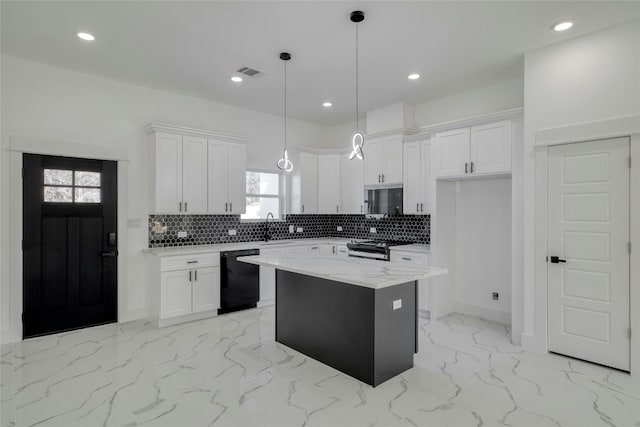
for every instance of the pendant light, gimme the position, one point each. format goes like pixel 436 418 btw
pixel 357 141
pixel 284 163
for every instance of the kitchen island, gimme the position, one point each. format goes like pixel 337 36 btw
pixel 356 315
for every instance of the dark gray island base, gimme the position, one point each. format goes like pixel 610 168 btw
pixel 351 328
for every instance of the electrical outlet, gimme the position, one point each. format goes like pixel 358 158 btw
pixel 339 228
pixel 232 232
pixel 182 234
pixel 397 304
pixel 299 230
pixel 291 229
pixel 495 296
pixel 373 230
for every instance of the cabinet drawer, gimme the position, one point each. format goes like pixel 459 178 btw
pixel 185 262
pixel 409 257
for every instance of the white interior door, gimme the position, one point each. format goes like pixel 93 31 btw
pixel 588 217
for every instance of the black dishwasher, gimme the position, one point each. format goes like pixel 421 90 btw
pixel 239 281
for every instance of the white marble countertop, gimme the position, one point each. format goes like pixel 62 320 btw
pixel 272 244
pixel 416 248
pixel 369 273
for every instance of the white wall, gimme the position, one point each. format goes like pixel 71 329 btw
pixel 590 78
pixel 485 100
pixel 55 104
pixel 483 247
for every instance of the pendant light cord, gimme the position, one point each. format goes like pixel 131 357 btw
pixel 285 106
pixel 357 100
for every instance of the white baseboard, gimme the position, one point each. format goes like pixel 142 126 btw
pixel 425 314
pixel 485 313
pixel 532 343
pixel 133 314
pixel 266 302
pixel 161 323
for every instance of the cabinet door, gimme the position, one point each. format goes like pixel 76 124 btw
pixel 428 181
pixel 308 183
pixel 452 153
pixel 217 177
pixel 175 296
pixel 412 182
pixel 328 184
pixel 351 186
pixel 392 160
pixel 194 174
pixel 205 287
pixel 372 161
pixel 237 178
pixel 168 173
pixel 342 251
pixel 491 148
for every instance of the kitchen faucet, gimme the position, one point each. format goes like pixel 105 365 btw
pixel 267 235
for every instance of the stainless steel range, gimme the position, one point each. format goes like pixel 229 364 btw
pixel 374 249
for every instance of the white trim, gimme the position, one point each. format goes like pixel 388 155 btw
pixel 266 302
pixel 161 323
pixel 589 131
pixel 634 277
pixel 404 131
pixel 502 317
pixel 24 144
pixel 20 145
pixel 182 130
pixel 470 121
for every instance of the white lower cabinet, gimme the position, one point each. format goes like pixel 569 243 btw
pixel 183 288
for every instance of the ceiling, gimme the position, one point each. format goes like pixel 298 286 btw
pixel 194 48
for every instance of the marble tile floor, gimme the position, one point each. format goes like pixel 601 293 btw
pixel 229 371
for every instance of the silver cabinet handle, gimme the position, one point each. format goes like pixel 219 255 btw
pixel 230 206
pixel 226 205
pixel 466 167
pixel 180 206
pixel 333 249
pixel 406 258
pixel 471 167
pixel 190 275
pixel 361 208
pixel 192 262
pixel 302 208
pixel 337 208
pixel 382 177
pixel 379 179
pixel 185 207
pixel 417 207
pixel 314 247
pixel 196 275
pixel 421 207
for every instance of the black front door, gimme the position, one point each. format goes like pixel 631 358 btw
pixel 69 243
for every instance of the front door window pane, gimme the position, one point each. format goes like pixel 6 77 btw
pixel 87 195
pixel 58 194
pixel 58 177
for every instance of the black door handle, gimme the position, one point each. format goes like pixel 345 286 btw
pixel 556 260
pixel 109 254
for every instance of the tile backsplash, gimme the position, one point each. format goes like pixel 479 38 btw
pixel 210 229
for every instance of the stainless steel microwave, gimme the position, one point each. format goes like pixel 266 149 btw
pixel 384 201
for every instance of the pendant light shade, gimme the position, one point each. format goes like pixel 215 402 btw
pixel 284 163
pixel 357 141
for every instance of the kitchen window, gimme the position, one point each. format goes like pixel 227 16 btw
pixel 264 195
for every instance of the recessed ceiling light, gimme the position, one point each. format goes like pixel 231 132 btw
pixel 86 36
pixel 562 26
pixel 236 79
pixel 327 104
pixel 414 76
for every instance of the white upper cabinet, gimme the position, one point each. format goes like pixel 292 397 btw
pixel 452 153
pixel 178 173
pixel 479 150
pixel 194 174
pixel 417 180
pixel 383 160
pixel 227 177
pixel 304 184
pixel 329 183
pixel 351 185
pixel 491 148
